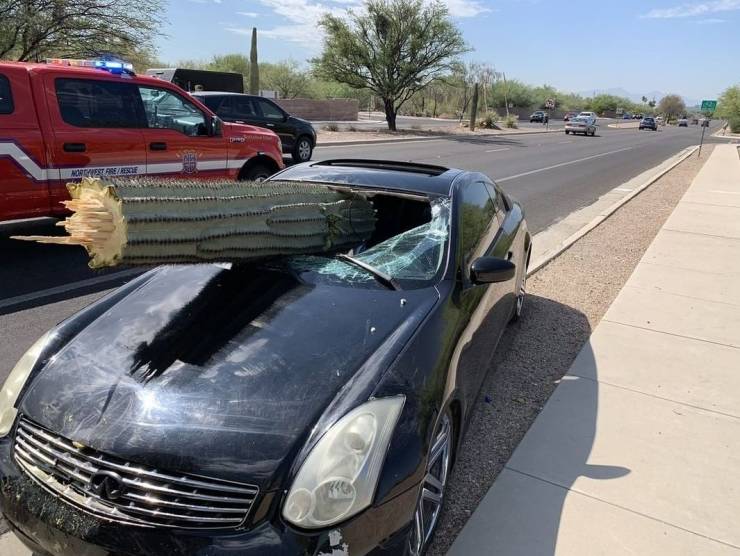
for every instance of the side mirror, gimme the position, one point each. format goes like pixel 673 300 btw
pixel 490 270
pixel 216 127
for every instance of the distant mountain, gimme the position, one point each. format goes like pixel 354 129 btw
pixel 635 97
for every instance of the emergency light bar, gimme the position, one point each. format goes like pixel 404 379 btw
pixel 107 65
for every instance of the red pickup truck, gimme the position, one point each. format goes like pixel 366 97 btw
pixel 65 120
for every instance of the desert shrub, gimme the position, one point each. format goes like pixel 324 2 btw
pixel 735 125
pixel 489 120
pixel 510 122
pixel 331 127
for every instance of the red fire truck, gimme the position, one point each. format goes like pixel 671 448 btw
pixel 66 119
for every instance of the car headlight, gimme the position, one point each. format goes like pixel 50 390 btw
pixel 15 382
pixel 339 476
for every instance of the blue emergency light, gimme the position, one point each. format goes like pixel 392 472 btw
pixel 112 66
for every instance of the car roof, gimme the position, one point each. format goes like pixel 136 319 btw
pixel 41 68
pixel 222 93
pixel 409 177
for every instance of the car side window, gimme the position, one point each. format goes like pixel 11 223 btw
pixel 6 97
pixel 167 110
pixel 478 224
pixel 98 103
pixel 270 111
pixel 243 108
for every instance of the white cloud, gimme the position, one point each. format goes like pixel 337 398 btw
pixel 301 18
pixel 692 10
pixel 711 21
pixel 248 14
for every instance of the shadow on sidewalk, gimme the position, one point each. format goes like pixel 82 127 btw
pixel 532 358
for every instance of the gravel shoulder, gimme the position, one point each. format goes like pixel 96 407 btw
pixel 566 300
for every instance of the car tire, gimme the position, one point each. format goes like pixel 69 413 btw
pixel 302 150
pixel 567 132
pixel 433 489
pixel 258 172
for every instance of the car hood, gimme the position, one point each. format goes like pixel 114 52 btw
pixel 219 372
pixel 241 130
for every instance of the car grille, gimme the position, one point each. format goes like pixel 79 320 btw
pixel 90 480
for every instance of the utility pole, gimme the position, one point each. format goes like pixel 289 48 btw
pixel 254 69
pixel 506 95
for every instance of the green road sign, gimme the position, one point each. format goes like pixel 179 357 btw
pixel 708 105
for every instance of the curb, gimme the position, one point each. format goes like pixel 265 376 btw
pixel 573 238
pixel 430 138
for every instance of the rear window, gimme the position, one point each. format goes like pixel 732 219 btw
pixel 6 99
pixel 98 103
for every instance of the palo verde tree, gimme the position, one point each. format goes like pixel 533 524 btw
pixel 31 30
pixel 393 48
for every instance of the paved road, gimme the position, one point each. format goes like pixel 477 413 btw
pixel 551 174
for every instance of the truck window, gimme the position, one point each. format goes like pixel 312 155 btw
pixel 166 110
pixel 270 111
pixel 6 99
pixel 98 103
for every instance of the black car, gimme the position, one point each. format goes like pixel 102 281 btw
pixel 297 136
pixel 538 116
pixel 303 405
pixel 648 122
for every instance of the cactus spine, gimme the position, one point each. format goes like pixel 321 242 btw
pixel 146 221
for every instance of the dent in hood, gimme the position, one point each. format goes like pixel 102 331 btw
pixel 219 372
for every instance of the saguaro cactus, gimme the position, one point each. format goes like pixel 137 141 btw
pixel 146 221
pixel 254 67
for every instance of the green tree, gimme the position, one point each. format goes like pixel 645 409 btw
pixel 672 106
pixel 254 68
pixel 31 30
pixel 728 107
pixel 286 78
pixel 394 48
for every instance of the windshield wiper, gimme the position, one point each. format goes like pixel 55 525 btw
pixel 385 279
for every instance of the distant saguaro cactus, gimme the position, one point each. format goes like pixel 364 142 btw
pixel 254 68
pixel 149 222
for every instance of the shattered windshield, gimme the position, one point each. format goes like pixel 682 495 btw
pixel 412 257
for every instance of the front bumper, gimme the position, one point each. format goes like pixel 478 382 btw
pixel 48 525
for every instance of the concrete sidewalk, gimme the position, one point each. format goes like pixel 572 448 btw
pixel 638 449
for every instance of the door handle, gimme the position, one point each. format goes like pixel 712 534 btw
pixel 270 125
pixel 75 147
pixel 157 146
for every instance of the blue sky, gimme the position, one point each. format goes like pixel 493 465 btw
pixel 691 48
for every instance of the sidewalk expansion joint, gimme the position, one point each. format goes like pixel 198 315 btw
pixel 685 296
pixel 699 234
pixel 671 400
pixel 689 268
pixel 672 334
pixel 630 510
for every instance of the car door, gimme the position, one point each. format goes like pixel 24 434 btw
pixel 96 125
pixel 274 118
pixel 479 228
pixel 177 137
pixel 24 186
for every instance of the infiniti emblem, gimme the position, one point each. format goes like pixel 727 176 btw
pixel 106 484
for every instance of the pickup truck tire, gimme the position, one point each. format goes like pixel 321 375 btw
pixel 258 172
pixel 302 150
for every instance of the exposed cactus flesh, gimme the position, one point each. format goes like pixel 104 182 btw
pixel 147 221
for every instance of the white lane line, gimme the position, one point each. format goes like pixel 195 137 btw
pixel 49 292
pixel 564 142
pixel 545 169
pixel 625 189
pixel 378 143
pixel 498 150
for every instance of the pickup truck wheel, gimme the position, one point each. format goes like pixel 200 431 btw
pixel 302 150
pixel 258 172
pixel 567 132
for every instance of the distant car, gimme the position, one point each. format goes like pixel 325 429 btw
pixel 627 116
pixel 587 115
pixel 638 116
pixel 538 116
pixel 648 123
pixel 682 122
pixel 660 120
pixel 581 124
pixel 297 136
pixel 569 116
pixel 694 120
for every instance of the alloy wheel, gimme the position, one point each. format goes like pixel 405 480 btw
pixel 429 506
pixel 304 150
pixel 520 297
